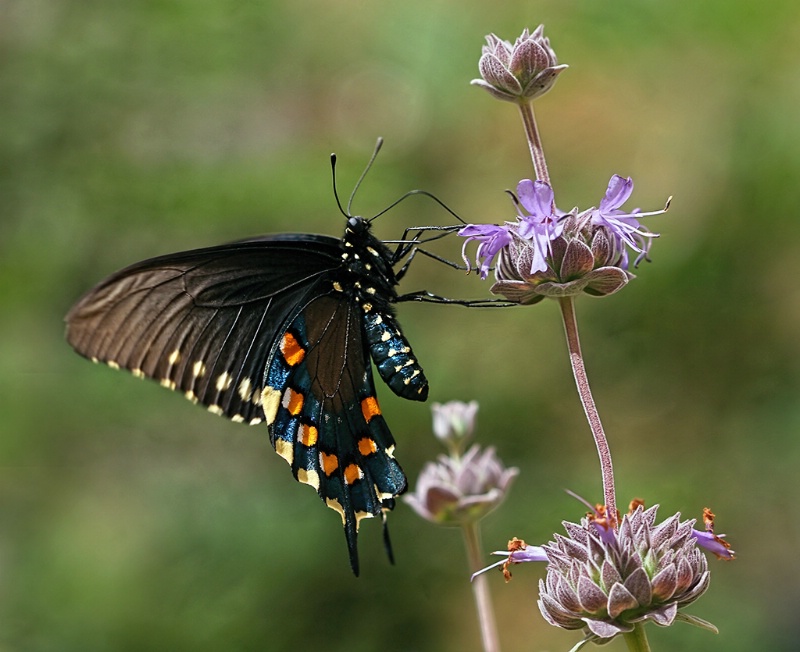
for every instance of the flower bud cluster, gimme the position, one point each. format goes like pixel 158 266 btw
pixel 453 491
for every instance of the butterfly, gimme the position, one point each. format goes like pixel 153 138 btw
pixel 280 330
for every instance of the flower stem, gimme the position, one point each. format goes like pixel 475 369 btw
pixel 637 639
pixel 534 141
pixel 480 588
pixel 585 393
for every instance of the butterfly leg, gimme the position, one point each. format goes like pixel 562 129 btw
pixel 430 297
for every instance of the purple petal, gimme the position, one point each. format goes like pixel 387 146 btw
pixel 536 197
pixel 713 544
pixel 527 58
pixel 528 553
pixel 664 616
pixel 603 629
pixel 492 239
pixel 619 600
pixel 617 193
pixel 665 582
pixel 495 73
pixel 590 595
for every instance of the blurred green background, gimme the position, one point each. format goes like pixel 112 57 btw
pixel 131 520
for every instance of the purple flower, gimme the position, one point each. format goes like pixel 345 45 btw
pixel 548 253
pixel 713 543
pixel 624 228
pixel 542 226
pixel 492 238
pixel 517 553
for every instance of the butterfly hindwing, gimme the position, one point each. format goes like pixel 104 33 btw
pixel 324 416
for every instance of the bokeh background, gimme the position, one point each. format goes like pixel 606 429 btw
pixel 131 520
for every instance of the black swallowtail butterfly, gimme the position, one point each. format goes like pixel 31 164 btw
pixel 279 330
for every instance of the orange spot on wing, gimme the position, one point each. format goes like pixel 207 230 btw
pixel 352 473
pixel 367 446
pixel 329 463
pixel 308 435
pixel 293 351
pixel 294 401
pixel 370 408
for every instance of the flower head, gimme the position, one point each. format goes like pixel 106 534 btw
pixel 456 490
pixel 519 72
pixel 644 572
pixel 606 579
pixel 548 253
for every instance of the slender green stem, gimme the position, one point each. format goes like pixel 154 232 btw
pixel 637 639
pixel 480 588
pixel 585 393
pixel 534 141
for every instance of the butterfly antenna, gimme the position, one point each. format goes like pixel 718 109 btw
pixel 424 193
pixel 342 210
pixel 335 190
pixel 372 158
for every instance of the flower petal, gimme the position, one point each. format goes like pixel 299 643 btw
pixel 639 586
pixel 618 191
pixel 665 583
pixel 591 597
pixel 605 629
pixel 496 74
pixel 527 58
pixel 605 280
pixel 714 544
pixel 536 197
pixel 664 616
pixel 496 93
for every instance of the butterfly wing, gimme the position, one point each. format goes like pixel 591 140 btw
pixel 324 417
pixel 202 322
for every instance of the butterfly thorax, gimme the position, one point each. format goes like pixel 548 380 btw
pixel 366 263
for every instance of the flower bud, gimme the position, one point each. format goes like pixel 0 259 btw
pixel 519 72
pixel 454 423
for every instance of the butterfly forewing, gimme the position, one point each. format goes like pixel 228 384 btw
pixel 201 322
